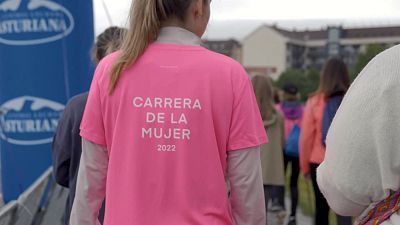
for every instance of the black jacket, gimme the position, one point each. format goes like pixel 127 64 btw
pixel 67 148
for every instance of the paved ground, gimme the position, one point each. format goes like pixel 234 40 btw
pixel 281 219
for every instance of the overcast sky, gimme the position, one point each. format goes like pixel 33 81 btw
pixel 363 12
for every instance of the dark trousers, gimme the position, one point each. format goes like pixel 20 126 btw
pixel 321 205
pixel 275 194
pixel 267 195
pixel 278 196
pixel 294 193
pixel 344 220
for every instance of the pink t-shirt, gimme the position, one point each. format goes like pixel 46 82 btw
pixel 168 127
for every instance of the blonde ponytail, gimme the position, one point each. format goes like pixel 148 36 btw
pixel 144 28
pixel 145 23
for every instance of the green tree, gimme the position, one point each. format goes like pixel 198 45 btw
pixel 366 57
pixel 306 81
pixel 313 77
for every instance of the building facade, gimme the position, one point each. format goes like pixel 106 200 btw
pixel 270 50
pixel 231 48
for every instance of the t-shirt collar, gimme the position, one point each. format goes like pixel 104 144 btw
pixel 177 35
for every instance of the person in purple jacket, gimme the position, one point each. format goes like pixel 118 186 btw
pixel 292 109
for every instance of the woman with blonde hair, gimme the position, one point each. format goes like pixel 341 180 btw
pixel 272 162
pixel 167 124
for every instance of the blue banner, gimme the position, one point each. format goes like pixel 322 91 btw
pixel 44 60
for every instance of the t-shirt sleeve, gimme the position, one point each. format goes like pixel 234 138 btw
pixel 92 125
pixel 246 128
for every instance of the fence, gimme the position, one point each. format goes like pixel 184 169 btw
pixel 43 203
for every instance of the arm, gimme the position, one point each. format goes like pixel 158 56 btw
pixel 61 164
pixel 91 184
pixel 340 176
pixel 337 200
pixel 307 136
pixel 61 149
pixel 362 163
pixel 247 195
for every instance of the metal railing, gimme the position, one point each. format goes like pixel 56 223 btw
pixel 43 203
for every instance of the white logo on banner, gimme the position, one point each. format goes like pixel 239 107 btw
pixel 29 120
pixel 37 22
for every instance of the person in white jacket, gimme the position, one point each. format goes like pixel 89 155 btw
pixel 362 163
